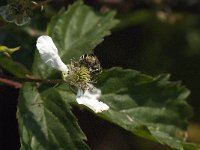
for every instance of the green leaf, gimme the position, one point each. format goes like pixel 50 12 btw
pixel 8 51
pixel 46 121
pixel 75 32
pixel 153 108
pixel 15 68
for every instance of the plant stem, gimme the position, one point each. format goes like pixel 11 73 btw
pixel 16 82
pixel 40 4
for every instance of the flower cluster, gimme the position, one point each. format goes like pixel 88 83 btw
pixel 76 74
pixel 16 11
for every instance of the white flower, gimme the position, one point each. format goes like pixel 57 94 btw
pixel 49 54
pixel 90 98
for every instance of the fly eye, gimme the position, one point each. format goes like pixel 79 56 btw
pixel 66 73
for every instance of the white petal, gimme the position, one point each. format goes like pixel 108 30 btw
pixel 90 98
pixel 49 53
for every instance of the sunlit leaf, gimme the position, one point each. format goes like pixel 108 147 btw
pixel 46 121
pixel 153 108
pixel 75 32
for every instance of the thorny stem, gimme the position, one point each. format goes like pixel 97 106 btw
pixel 16 82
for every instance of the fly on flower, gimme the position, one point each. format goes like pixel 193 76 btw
pixel 78 74
pixel 91 62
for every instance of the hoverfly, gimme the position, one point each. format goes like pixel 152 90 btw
pixel 91 62
pixel 82 72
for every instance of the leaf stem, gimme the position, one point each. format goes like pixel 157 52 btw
pixel 40 4
pixel 16 82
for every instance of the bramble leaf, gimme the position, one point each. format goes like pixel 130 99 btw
pixel 152 108
pixel 46 121
pixel 75 32
pixel 15 68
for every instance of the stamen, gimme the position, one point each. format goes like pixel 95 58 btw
pixel 81 73
pixel 78 76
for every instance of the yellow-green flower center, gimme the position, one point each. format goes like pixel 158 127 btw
pixel 78 76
